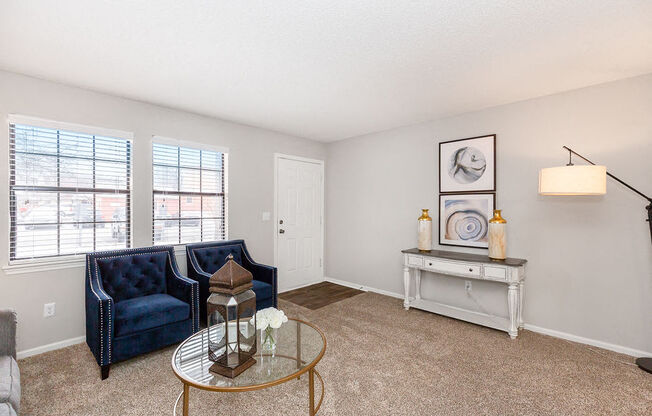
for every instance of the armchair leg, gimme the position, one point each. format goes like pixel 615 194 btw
pixel 105 371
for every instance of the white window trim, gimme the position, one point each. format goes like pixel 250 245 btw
pixel 44 264
pixel 77 128
pixel 23 266
pixel 28 266
pixel 185 143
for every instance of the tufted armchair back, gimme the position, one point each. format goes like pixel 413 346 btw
pixel 133 275
pixel 210 259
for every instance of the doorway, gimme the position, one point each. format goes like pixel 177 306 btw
pixel 299 221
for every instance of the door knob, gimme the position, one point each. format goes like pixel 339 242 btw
pixel 280 222
pixel 281 231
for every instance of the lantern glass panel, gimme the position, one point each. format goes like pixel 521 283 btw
pixel 247 322
pixel 217 325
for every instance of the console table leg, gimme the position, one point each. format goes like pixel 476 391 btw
pixel 512 304
pixel 521 286
pixel 417 283
pixel 406 285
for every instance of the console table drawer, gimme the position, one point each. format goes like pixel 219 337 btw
pixel 498 273
pixel 415 260
pixel 455 268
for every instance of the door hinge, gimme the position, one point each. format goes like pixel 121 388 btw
pixel 320 265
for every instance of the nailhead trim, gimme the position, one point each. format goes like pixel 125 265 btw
pixel 90 284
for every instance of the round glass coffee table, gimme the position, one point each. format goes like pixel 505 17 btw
pixel 299 347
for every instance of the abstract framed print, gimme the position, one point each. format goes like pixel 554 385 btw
pixel 468 165
pixel 464 219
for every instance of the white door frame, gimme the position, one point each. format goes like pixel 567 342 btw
pixel 277 157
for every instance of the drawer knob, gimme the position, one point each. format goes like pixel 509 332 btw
pixel 429 264
pixel 470 269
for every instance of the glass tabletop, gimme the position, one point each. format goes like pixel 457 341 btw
pixel 299 346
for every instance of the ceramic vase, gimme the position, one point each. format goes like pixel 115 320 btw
pixel 425 231
pixel 497 237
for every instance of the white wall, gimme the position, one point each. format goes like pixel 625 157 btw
pixel 251 187
pixel 590 258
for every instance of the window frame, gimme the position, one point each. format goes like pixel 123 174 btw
pixel 62 261
pixel 181 194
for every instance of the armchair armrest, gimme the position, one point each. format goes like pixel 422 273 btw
pixel 262 273
pixel 99 315
pixel 8 332
pixel 184 289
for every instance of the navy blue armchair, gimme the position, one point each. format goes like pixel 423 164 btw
pixel 204 259
pixel 136 302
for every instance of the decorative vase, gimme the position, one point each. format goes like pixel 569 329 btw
pixel 425 231
pixel 497 237
pixel 268 339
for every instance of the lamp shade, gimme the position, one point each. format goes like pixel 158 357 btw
pixel 573 180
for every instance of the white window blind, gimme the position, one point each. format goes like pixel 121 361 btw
pixel 69 192
pixel 189 198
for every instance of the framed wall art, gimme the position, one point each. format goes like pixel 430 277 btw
pixel 468 165
pixel 464 219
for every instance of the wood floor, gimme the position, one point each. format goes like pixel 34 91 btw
pixel 319 295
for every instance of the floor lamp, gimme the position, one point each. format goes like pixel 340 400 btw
pixel 587 180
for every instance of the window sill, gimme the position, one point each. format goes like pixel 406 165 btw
pixel 34 266
pixel 44 265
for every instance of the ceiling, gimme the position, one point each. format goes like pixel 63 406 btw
pixel 328 70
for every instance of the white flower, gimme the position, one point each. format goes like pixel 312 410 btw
pixel 276 321
pixel 271 317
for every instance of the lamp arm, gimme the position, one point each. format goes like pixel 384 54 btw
pixel 610 175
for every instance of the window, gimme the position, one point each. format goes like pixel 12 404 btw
pixel 69 190
pixel 189 201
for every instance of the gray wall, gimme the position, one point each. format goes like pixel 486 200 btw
pixel 251 187
pixel 590 258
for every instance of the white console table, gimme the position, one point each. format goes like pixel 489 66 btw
pixel 510 272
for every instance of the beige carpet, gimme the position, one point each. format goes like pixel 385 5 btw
pixel 380 360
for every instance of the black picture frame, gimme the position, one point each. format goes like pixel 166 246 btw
pixel 462 189
pixel 474 194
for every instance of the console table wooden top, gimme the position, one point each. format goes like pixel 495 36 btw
pixel 455 255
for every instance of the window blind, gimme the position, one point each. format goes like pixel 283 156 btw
pixel 189 198
pixel 69 192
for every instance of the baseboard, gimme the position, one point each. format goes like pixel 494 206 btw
pixel 364 288
pixel 302 285
pixel 551 332
pixel 588 341
pixel 50 347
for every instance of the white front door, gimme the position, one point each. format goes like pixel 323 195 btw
pixel 299 194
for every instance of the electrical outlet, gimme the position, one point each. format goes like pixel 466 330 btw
pixel 48 310
pixel 267 215
pixel 467 285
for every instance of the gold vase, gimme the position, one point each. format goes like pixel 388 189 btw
pixel 424 231
pixel 497 237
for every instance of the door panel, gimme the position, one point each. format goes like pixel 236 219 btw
pixel 298 230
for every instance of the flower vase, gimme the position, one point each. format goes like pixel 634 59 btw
pixel 268 339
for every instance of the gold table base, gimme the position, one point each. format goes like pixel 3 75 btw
pixel 312 409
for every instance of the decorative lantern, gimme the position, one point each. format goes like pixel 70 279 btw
pixel 231 309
